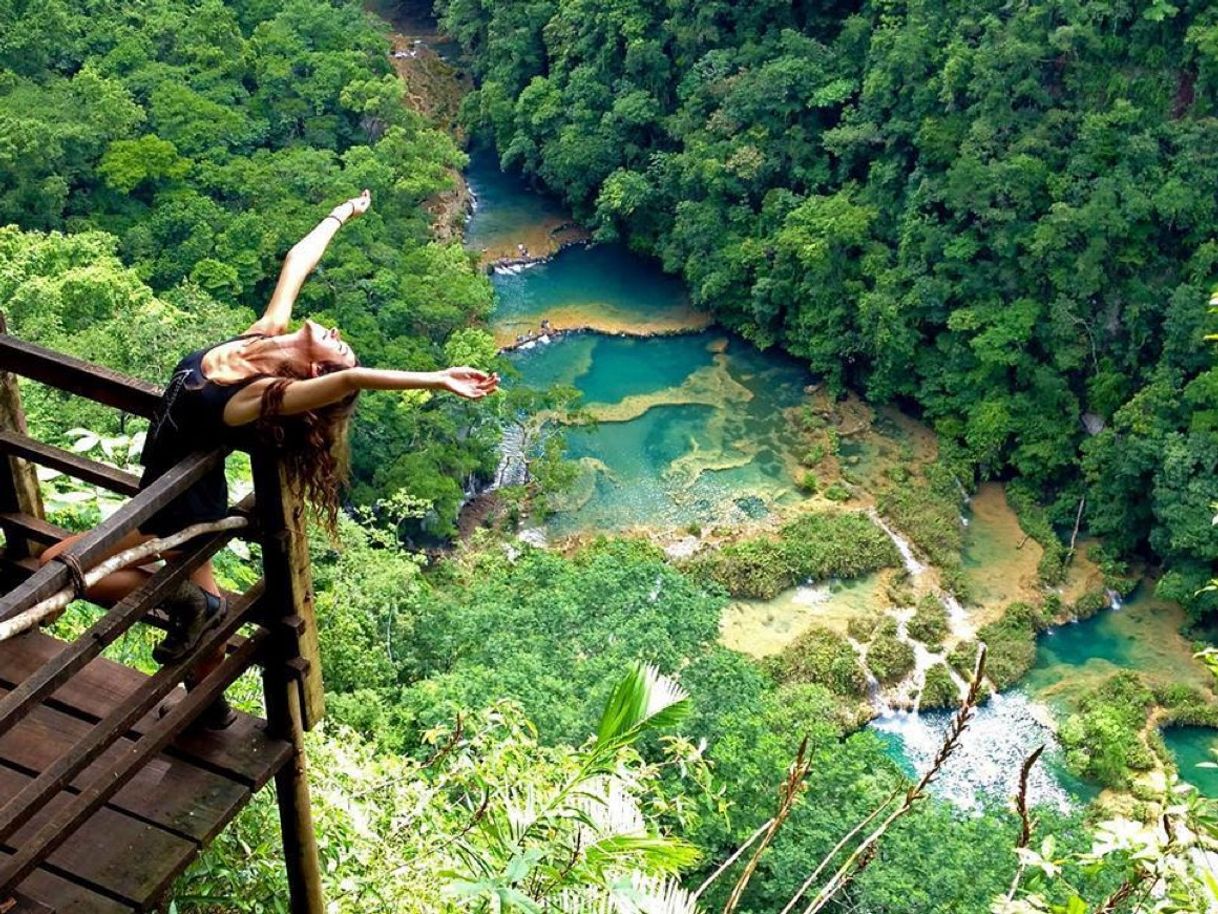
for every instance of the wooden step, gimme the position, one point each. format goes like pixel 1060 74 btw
pixel 128 853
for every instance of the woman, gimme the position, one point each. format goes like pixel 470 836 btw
pixel 296 391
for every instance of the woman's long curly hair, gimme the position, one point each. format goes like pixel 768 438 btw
pixel 313 445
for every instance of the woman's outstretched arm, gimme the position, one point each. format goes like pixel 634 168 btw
pixel 314 393
pixel 300 262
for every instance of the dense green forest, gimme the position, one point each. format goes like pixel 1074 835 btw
pixel 184 149
pixel 1003 214
pixel 862 187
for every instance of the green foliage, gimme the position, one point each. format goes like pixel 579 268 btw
pixel 812 547
pixel 929 623
pixel 822 657
pixel 185 150
pixel 940 690
pixel 949 204
pixel 1011 643
pixel 1103 740
pixel 888 657
pixel 495 818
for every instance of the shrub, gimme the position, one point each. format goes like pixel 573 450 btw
pixel 1103 740
pixel 889 658
pixel 940 691
pixel 822 657
pixel 930 623
pixel 814 546
pixel 1089 604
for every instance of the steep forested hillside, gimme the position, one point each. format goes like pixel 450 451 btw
pixel 1003 213
pixel 195 143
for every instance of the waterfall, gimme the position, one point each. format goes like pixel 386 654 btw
pixel 912 565
pixel 1114 600
pixel 1002 734
pixel 513 468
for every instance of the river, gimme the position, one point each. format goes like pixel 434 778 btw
pixel 695 432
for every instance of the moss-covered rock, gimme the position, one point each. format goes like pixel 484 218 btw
pixel 1011 644
pixel 1088 604
pixel 940 691
pixel 1103 740
pixel 889 658
pixel 862 628
pixel 929 624
pixel 822 657
pixel 815 546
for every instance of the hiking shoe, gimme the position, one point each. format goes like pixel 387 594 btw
pixel 193 612
pixel 219 715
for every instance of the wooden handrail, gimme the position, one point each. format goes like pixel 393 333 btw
pixel 115 725
pixel 78 377
pixel 100 542
pixel 106 630
pixel 74 465
pixel 108 782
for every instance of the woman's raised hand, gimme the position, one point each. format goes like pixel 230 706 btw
pixel 353 208
pixel 469 383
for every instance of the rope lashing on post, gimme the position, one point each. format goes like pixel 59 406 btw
pixel 81 582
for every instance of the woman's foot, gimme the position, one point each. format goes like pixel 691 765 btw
pixel 193 612
pixel 219 715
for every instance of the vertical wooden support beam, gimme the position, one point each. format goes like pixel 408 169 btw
pixel 292 678
pixel 292 795
pixel 289 578
pixel 18 479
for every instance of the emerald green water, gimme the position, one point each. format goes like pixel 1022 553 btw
pixel 685 434
pixel 1143 636
pixel 1193 746
pixel 692 430
pixel 504 205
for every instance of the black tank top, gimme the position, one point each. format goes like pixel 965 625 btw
pixel 191 418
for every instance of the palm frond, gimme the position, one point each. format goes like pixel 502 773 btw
pixel 644 698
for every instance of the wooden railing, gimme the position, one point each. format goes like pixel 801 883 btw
pixel 271 625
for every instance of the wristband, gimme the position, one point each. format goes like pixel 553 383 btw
pixel 335 218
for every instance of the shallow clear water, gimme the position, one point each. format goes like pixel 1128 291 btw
pixel 506 210
pixel 691 428
pixel 1191 746
pixel 1143 635
pixel 602 286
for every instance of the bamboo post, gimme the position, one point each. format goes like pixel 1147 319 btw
pixel 292 678
pixel 19 491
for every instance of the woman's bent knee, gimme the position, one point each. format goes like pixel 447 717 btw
pixel 55 548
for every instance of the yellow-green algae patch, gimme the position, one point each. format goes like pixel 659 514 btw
pixel 764 627
pixel 1000 561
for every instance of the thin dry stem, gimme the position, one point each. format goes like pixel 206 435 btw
pixel 864 853
pixel 732 859
pixel 52 604
pixel 787 795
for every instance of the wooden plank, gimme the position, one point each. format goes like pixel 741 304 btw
pixel 76 813
pixel 67 897
pixel 79 377
pixel 243 751
pixel 106 630
pixel 22 904
pixel 129 860
pixel 34 528
pixel 19 490
pixel 121 718
pixel 100 542
pixel 74 465
pixel 171 793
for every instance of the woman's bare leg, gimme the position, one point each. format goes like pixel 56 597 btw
pixel 115 586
